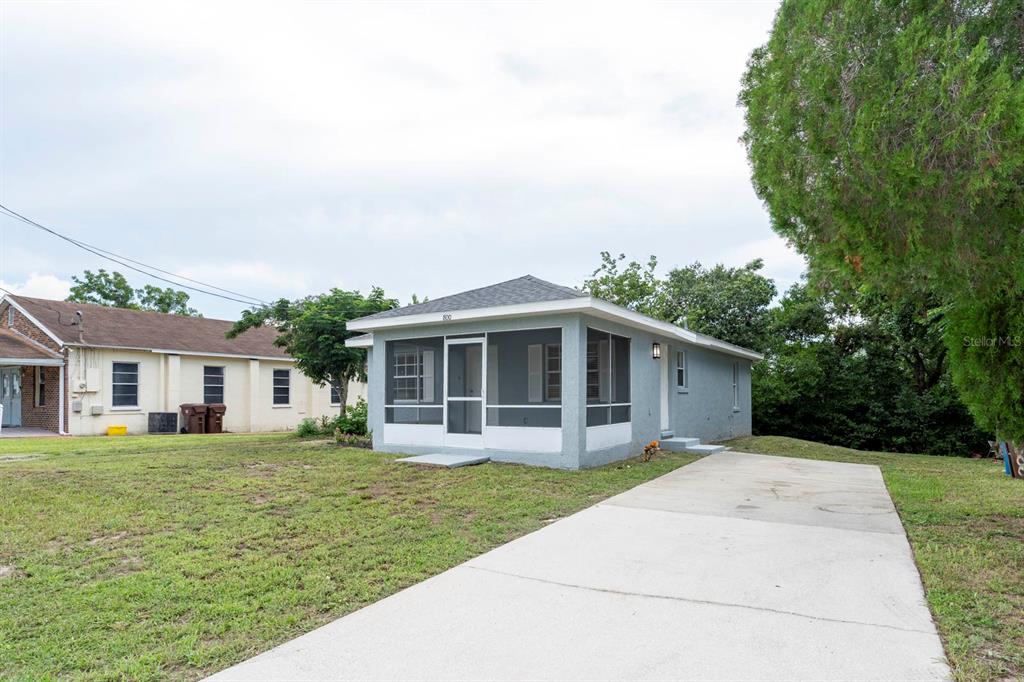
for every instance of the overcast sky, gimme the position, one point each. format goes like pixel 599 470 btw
pixel 284 149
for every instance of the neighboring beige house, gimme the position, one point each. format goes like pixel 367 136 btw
pixel 77 368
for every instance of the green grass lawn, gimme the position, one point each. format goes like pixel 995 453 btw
pixel 175 556
pixel 965 521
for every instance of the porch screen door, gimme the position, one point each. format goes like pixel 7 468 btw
pixel 10 395
pixel 464 392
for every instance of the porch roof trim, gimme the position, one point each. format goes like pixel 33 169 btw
pixel 16 349
pixel 581 304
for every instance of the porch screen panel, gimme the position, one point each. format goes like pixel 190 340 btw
pixel 414 371
pixel 524 378
pixel 608 378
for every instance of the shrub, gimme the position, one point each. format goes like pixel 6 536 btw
pixel 308 428
pixel 352 421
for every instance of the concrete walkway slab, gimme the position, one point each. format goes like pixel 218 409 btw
pixel 448 461
pixel 735 567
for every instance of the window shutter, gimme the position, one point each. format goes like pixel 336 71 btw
pixel 428 376
pixel 603 360
pixel 492 374
pixel 535 380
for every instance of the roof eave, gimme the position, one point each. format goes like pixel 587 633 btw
pixel 583 304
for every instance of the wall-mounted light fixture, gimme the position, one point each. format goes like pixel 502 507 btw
pixel 656 350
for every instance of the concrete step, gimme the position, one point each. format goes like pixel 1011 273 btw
pixel 679 444
pixel 446 460
pixel 667 434
pixel 705 449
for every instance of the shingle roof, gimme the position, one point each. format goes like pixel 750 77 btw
pixel 123 328
pixel 17 347
pixel 525 289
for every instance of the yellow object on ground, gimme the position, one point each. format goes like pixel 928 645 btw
pixel 117 430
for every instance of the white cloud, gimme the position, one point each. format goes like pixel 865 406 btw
pixel 39 286
pixel 287 148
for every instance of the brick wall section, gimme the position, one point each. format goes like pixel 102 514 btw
pixel 22 325
pixel 48 416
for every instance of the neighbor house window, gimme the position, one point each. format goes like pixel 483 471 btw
pixel 335 396
pixel 10 316
pixel 213 384
pixel 608 379
pixel 125 384
pixel 40 386
pixel 681 377
pixel 282 386
pixel 735 385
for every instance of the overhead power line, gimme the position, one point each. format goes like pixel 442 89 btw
pixel 127 262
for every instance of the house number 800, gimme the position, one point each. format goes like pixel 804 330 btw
pixel 446 317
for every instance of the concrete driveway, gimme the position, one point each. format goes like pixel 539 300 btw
pixel 735 567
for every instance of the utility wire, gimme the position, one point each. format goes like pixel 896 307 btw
pixel 126 262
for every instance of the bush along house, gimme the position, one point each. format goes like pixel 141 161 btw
pixel 78 368
pixel 533 372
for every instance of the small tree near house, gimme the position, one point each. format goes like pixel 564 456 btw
pixel 313 330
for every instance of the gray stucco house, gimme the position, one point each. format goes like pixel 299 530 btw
pixel 532 372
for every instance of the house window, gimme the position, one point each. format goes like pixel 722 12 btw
pixel 735 385
pixel 408 381
pixel 282 386
pixel 125 384
pixel 608 378
pixel 40 386
pixel 553 372
pixel 335 396
pixel 213 384
pixel 414 381
pixel 681 377
pixel 10 316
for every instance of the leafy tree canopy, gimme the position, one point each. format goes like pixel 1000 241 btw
pixel 728 303
pixel 887 142
pixel 112 289
pixel 313 330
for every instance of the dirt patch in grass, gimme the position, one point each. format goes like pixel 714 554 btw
pixel 110 539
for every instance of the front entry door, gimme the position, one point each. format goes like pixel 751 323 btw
pixel 464 393
pixel 10 395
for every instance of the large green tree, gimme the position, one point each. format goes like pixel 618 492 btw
pixel 728 303
pixel 887 142
pixel 112 289
pixel 858 372
pixel 314 329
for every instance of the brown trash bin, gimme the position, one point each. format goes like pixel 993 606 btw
pixel 195 417
pixel 215 417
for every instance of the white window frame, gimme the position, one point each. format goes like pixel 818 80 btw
pixel 10 316
pixel 40 387
pixel 681 360
pixel 549 373
pixel 274 387
pixel 223 382
pixel 136 384
pixel 335 395
pixel 736 387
